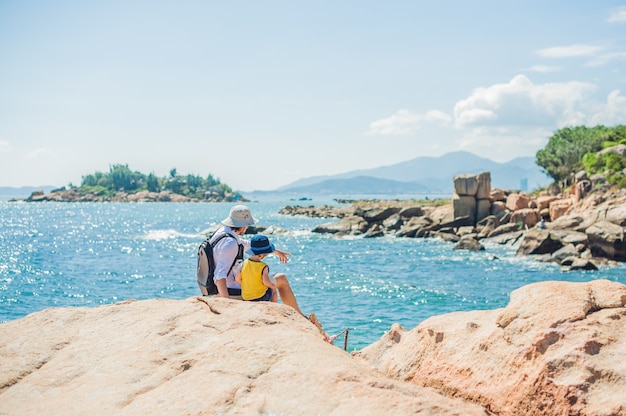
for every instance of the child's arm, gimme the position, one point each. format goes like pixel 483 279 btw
pixel 267 281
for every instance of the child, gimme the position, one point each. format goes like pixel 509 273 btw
pixel 256 283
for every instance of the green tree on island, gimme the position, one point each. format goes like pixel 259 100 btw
pixel 571 149
pixel 121 178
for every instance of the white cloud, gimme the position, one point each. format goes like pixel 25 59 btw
pixel 570 51
pixel 503 121
pixel 544 68
pixel 406 122
pixel 520 102
pixel 618 15
pixel 612 112
pixel 5 146
pixel 605 58
pixel 40 152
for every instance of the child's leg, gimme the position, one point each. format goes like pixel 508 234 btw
pixel 285 292
pixel 274 295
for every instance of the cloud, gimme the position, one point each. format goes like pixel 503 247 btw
pixel 571 51
pixel 511 119
pixel 405 122
pixel 520 102
pixel 5 146
pixel 605 58
pixel 544 68
pixel 618 15
pixel 610 113
pixel 40 152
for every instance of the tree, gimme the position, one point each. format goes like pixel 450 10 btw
pixel 152 183
pixel 565 149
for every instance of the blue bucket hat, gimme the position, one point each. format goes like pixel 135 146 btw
pixel 260 244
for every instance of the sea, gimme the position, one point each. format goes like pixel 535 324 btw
pixel 55 255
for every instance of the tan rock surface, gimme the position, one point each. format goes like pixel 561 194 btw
pixel 558 348
pixel 199 356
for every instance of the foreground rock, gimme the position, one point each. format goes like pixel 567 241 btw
pixel 199 356
pixel 558 348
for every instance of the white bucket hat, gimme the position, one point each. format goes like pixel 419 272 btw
pixel 239 216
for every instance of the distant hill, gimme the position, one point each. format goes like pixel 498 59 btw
pixel 360 185
pixel 424 175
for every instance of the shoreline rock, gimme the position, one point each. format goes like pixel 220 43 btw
pixel 73 195
pixel 555 349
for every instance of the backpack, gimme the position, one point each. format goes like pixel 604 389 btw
pixel 206 264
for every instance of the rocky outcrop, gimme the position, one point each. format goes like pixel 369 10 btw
pixel 556 349
pixel 199 356
pixel 74 195
pixel 506 217
pixel 471 197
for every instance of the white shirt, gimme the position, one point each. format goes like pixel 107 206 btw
pixel 224 253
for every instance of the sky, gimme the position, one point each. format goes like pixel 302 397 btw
pixel 262 93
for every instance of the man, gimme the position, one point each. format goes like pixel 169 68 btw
pixel 228 255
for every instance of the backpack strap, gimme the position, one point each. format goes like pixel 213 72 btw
pixel 239 255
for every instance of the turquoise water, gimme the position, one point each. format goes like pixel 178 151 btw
pixel 89 254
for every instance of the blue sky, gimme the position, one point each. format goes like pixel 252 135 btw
pixel 262 93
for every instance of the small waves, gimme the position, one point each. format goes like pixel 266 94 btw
pixel 157 235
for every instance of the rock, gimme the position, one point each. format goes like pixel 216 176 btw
pixel 375 230
pixel 568 250
pixel 517 201
pixel 415 224
pixel 544 201
pixel 526 217
pixel 566 222
pixel 503 229
pixel 579 264
pixel 619 150
pixel 410 212
pixel 393 223
pixel 556 349
pixel 198 356
pixel 559 208
pixel 464 206
pixel 483 209
pixel 465 185
pixel 487 225
pixel 607 240
pixel 538 242
pixel 346 225
pixel 484 185
pixel 376 214
pixel 498 208
pixel 468 243
pixel 497 195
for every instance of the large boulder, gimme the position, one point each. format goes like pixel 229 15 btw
pixel 465 185
pixel 556 349
pixel 559 208
pixel 517 201
pixel 464 206
pixel 198 356
pixel 539 242
pixel 484 185
pixel 607 240
pixel 347 225
pixel 526 217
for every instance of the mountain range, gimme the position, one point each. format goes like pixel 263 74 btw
pixel 424 175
